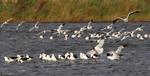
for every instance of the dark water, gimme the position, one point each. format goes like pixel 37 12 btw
pixel 135 61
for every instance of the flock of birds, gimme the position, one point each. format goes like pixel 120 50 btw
pixel 100 37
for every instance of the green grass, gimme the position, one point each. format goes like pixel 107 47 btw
pixel 72 10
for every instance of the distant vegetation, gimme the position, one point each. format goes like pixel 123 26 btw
pixel 72 10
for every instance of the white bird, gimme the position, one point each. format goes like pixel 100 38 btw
pixel 42 56
pixel 140 28
pixel 132 34
pixel 91 52
pixel 119 49
pixel 59 30
pixel 146 36
pixel 73 36
pixel 127 17
pixel 10 59
pixel 99 48
pixel 71 56
pixel 79 35
pixel 115 55
pixel 61 57
pixel 41 36
pixel 46 57
pixel 83 28
pixel 87 38
pixel 24 58
pixel 51 37
pixel 141 37
pixel 66 55
pixel 35 26
pixel 138 35
pixel 92 35
pixel 66 37
pixel 83 56
pixel 110 26
pixel 89 26
pixel 6 22
pixel 76 32
pixel 53 58
pixel 124 37
pixel 112 55
pixel 20 24
pixel 93 56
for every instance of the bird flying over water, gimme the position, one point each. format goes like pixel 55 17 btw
pixel 35 26
pixel 6 22
pixel 127 17
pixel 20 24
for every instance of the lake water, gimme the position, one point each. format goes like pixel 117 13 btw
pixel 135 61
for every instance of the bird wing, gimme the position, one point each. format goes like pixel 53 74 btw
pixel 118 18
pixel 99 50
pixel 119 49
pixel 91 52
pixel 21 23
pixel 9 19
pixel 133 12
pixel 60 26
pixel 89 23
pixel 31 28
pixel 36 24
pixel 100 44
pixel 83 28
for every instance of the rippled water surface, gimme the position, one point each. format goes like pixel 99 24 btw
pixel 135 61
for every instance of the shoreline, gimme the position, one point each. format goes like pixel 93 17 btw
pixel 77 22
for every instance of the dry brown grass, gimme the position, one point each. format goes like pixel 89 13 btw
pixel 73 10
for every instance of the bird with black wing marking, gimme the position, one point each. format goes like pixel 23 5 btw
pixel 98 49
pixel 116 55
pixel 127 17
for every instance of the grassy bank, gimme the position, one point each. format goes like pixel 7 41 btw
pixel 72 10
